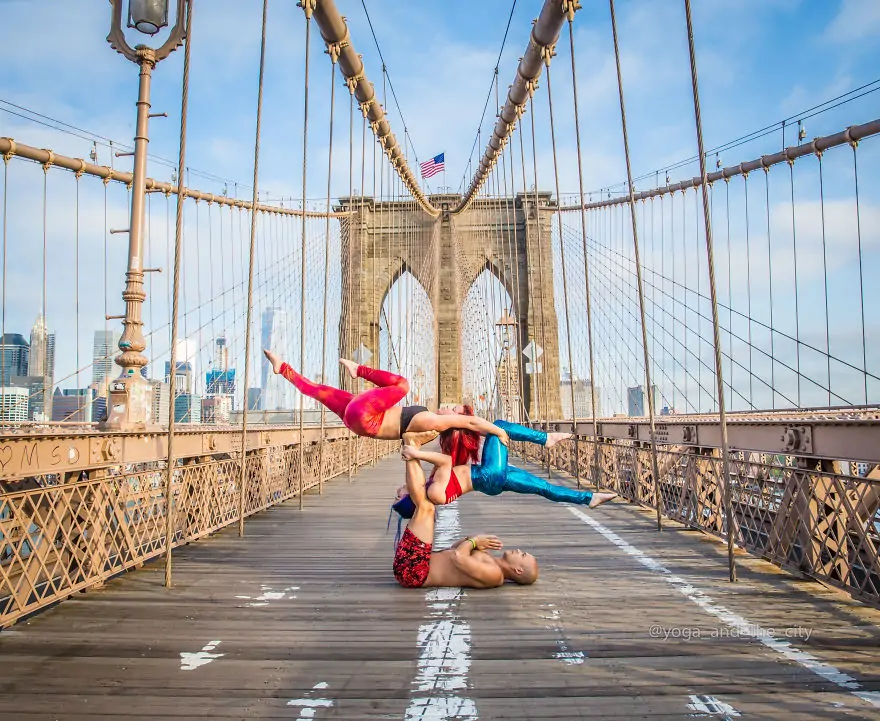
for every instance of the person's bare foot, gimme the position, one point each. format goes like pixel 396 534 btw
pixel 350 366
pixel 554 438
pixel 419 439
pixel 599 498
pixel 274 360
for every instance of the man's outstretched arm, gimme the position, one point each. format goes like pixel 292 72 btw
pixel 482 573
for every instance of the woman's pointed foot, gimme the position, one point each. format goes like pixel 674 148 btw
pixel 274 359
pixel 350 366
pixel 554 438
pixel 599 498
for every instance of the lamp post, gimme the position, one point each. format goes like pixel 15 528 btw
pixel 129 405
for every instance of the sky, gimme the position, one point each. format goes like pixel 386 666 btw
pixel 760 62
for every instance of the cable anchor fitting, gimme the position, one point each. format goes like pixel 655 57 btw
pixel 9 154
pixel 50 161
pixel 569 8
pixel 308 7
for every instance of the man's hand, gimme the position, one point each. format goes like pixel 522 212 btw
pixel 409 453
pixel 504 438
pixel 487 543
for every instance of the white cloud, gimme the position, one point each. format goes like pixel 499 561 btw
pixel 855 20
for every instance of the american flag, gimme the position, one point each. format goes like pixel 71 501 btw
pixel 431 167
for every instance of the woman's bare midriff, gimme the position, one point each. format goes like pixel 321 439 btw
pixel 437 488
pixel 390 428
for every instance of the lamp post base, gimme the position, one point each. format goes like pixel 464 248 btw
pixel 130 405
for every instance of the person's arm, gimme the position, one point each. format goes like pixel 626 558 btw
pixel 435 459
pixel 484 427
pixel 471 423
pixel 484 573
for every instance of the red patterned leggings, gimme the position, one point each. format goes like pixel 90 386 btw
pixel 362 413
pixel 412 561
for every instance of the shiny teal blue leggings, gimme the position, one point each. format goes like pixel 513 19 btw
pixel 493 475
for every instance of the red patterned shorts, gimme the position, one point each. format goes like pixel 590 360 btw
pixel 412 562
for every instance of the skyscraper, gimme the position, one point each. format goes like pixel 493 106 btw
pixel 220 380
pixel 636 402
pixel 583 400
pixel 14 404
pixel 276 335
pixel 41 361
pixel 187 408
pixel 160 402
pixel 104 350
pixel 73 405
pixel 15 350
pixel 183 377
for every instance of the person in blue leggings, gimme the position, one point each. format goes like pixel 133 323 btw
pixel 493 474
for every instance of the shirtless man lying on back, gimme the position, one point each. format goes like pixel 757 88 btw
pixel 466 564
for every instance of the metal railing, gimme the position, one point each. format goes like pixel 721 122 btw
pixel 62 535
pixel 812 516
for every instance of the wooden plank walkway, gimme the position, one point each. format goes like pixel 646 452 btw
pixel 302 619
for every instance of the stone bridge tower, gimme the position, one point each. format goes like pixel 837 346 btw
pixel 510 237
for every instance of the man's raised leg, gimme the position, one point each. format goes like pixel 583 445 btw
pixel 422 522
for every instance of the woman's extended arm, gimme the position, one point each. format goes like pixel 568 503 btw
pixel 435 459
pixel 484 427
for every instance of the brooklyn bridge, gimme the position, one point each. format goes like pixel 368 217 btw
pixel 183 534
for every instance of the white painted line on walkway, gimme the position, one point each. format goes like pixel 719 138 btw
pixel 564 653
pixel 444 644
pixel 711 706
pixel 309 706
pixel 743 627
pixel 267 596
pixel 192 661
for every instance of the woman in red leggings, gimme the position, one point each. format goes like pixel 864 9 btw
pixel 374 413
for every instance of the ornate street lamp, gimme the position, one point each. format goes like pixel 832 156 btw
pixel 130 401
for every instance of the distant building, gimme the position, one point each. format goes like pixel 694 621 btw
pixel 73 405
pixel 36 390
pixel 583 401
pixel 99 409
pixel 187 408
pixel 255 399
pixel 220 383
pixel 183 377
pixel 161 402
pixel 41 361
pixel 15 352
pixel 105 348
pixel 276 334
pixel 13 404
pixel 637 403
pixel 216 409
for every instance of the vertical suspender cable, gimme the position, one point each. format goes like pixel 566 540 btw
pixel 250 291
pixel 175 299
pixel 725 460
pixel 333 58
pixel 545 391
pixel 347 350
pixel 3 382
pixel 308 6
pixel 632 209
pixel 548 55
pixel 577 133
